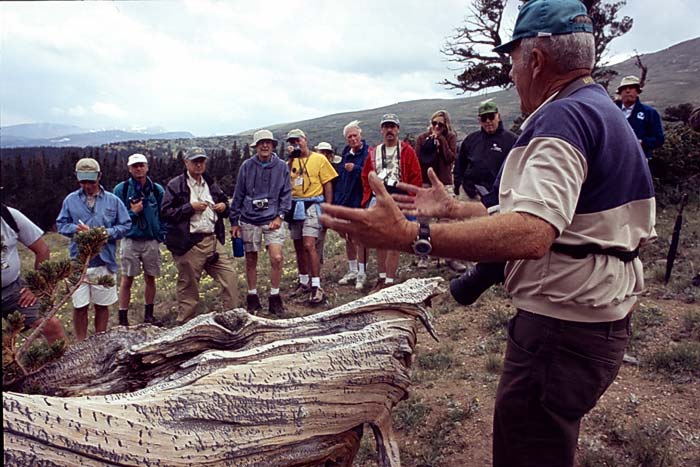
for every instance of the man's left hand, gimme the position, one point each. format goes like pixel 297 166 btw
pixel 220 207
pixel 276 223
pixel 381 226
pixel 26 298
pixel 349 166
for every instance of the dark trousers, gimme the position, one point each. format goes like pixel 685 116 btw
pixel 553 374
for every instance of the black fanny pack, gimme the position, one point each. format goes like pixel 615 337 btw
pixel 581 251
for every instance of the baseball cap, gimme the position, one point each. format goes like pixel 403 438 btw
pixel 87 169
pixel 263 135
pixel 542 18
pixel 629 81
pixel 323 146
pixel 390 118
pixel 195 153
pixel 137 159
pixel 488 107
pixel 296 133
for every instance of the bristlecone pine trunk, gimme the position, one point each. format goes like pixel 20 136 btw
pixel 225 389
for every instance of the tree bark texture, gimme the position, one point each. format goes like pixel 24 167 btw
pixel 226 388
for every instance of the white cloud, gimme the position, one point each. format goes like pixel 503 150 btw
pixel 223 67
pixel 110 110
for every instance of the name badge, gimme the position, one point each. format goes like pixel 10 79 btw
pixel 299 181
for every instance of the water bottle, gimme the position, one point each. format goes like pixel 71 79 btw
pixel 238 250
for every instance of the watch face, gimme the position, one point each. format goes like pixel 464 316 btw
pixel 422 247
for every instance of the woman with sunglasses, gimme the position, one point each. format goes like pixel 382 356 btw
pixel 437 148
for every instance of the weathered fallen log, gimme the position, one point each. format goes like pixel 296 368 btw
pixel 227 388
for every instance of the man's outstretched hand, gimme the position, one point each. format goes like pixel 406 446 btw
pixel 433 201
pixel 381 226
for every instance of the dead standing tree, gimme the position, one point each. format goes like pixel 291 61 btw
pixel 227 388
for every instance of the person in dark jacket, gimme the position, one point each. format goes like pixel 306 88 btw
pixel 482 153
pixel 262 198
pixel 643 119
pixel 194 208
pixel 437 148
pixel 348 192
pixel 141 247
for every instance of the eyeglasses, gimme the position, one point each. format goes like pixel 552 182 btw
pixel 201 160
pixel 488 117
pixel 437 124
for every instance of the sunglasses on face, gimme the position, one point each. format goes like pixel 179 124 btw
pixel 437 124
pixel 293 141
pixel 87 182
pixel 486 117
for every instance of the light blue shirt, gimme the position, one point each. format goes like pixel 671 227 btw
pixel 108 212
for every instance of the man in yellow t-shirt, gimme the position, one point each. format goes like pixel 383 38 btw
pixel 311 175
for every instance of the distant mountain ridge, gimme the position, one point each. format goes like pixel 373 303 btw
pixel 14 136
pixel 673 78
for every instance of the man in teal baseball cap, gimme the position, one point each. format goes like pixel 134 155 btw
pixel 576 201
pixel 544 18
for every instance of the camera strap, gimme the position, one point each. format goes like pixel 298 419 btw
pixel 398 159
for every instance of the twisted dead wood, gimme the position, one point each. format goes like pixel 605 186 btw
pixel 227 388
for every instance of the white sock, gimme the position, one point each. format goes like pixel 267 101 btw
pixel 389 280
pixel 362 268
pixel 253 292
pixel 274 291
pixel 315 282
pixel 304 279
pixel 382 275
pixel 352 265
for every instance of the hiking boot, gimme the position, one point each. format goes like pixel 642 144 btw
pixel 456 266
pixel 252 303
pixel 351 276
pixel 275 305
pixel 123 317
pixel 149 318
pixel 360 281
pixel 317 296
pixel 423 263
pixel 378 286
pixel 300 290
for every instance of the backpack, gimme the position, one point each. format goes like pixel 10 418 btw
pixel 8 218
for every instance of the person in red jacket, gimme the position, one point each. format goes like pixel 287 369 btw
pixel 394 162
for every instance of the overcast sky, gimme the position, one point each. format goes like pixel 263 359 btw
pixel 224 67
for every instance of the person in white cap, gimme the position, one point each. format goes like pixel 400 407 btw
pixel 141 247
pixel 311 175
pixel 262 198
pixel 643 119
pixel 88 207
pixel 327 150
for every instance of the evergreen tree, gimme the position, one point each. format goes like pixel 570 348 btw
pixel 471 46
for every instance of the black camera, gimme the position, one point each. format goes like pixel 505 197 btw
pixel 135 199
pixel 296 151
pixel 470 285
pixel 261 204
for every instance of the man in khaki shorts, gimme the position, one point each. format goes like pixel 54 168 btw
pixel 88 207
pixel 141 247
pixel 311 175
pixel 262 198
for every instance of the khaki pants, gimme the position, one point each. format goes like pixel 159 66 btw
pixel 190 267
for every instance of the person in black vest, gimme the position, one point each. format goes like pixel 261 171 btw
pixel 141 247
pixel 482 153
pixel 194 208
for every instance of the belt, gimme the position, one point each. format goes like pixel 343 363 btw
pixel 618 325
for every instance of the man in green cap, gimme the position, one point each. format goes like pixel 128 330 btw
pixel 576 201
pixel 482 153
